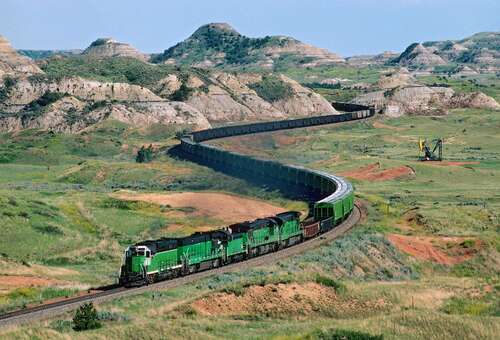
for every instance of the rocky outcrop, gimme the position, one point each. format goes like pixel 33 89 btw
pixel 423 100
pixel 417 55
pixel 12 63
pixel 402 77
pixel 479 49
pixel 70 115
pixel 476 100
pixel 107 47
pixel 226 98
pixel 229 97
pixel 166 113
pixel 302 102
pixel 289 46
pixel 378 59
pixel 26 90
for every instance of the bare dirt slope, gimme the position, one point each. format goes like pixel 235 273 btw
pixel 282 299
pixel 372 172
pixel 225 207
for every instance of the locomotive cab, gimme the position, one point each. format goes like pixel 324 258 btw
pixel 136 261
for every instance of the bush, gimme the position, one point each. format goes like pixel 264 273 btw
pixel 47 229
pixel 329 282
pixel 145 155
pixel 47 99
pixel 341 334
pixel 182 94
pixel 8 83
pixel 271 88
pixel 86 318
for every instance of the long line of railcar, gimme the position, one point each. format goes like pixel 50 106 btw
pixel 332 202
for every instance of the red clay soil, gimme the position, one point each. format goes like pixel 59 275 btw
pixel 372 172
pixel 442 250
pixel 292 299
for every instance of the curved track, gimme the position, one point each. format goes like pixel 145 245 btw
pixel 60 307
pixel 312 184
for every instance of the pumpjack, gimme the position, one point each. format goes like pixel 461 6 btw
pixel 426 154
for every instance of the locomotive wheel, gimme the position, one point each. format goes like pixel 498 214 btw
pixel 150 279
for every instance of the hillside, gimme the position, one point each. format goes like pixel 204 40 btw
pixel 108 47
pixel 44 54
pixel 13 63
pixel 481 49
pixel 219 44
pixel 110 81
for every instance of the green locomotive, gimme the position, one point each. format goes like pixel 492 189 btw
pixel 151 261
pixel 155 260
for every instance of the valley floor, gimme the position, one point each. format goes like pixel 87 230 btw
pixel 423 265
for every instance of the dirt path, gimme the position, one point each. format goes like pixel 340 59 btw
pixel 224 207
pixel 372 172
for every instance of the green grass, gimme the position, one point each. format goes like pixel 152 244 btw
pixel 486 83
pixel 72 223
pixel 119 70
pixel 272 89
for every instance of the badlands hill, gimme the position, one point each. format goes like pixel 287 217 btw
pixel 219 44
pixel 71 93
pixel 481 49
pixel 398 93
pixel 108 47
pixel 13 63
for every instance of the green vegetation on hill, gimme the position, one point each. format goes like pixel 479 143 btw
pixel 119 69
pixel 272 88
pixel 210 41
pixel 485 83
pixel 60 217
pixel 45 54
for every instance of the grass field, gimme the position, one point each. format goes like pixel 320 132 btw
pixel 61 223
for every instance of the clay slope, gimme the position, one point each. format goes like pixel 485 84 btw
pixel 233 98
pixel 417 55
pixel 107 47
pixel 71 115
pixel 12 63
pixel 424 100
pixel 25 91
pixel 378 59
pixel 479 49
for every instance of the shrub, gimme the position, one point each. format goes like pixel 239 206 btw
pixel 182 94
pixel 271 88
pixel 457 305
pixel 8 83
pixel 86 318
pixel 46 99
pixel 329 282
pixel 145 155
pixel 341 334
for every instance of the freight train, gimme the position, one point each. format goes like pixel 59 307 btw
pixel 154 260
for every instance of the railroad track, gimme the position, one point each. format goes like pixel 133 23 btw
pixel 57 308
pixel 306 180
